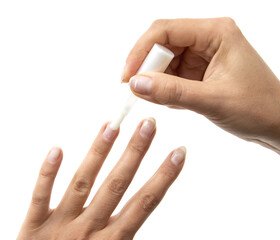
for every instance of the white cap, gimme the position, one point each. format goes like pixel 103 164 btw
pixel 157 60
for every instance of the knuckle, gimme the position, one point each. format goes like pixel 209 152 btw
pixel 44 173
pixel 124 233
pixel 82 236
pixel 169 172
pixel 117 185
pixel 171 92
pixel 82 185
pixel 136 147
pixel 228 21
pixel 97 151
pixel 39 200
pixel 72 235
pixel 159 22
pixel 97 223
pixel 164 93
pixel 228 25
pixel 149 202
pixel 177 92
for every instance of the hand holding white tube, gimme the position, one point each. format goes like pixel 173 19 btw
pixel 216 72
pixel 157 60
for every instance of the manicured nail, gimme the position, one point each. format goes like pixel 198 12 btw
pixel 141 84
pixel 178 156
pixel 53 155
pixel 148 127
pixel 109 134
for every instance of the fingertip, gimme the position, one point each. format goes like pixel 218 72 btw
pixel 178 156
pixel 128 71
pixel 124 74
pixel 133 63
pixel 148 127
pixel 141 84
pixel 110 134
pixel 54 155
pixel 183 149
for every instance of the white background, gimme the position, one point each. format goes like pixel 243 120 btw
pixel 60 66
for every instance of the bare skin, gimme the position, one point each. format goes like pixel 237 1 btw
pixel 71 220
pixel 215 72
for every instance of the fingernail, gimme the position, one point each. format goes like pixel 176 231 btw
pixel 53 155
pixel 123 74
pixel 109 134
pixel 178 156
pixel 148 127
pixel 141 84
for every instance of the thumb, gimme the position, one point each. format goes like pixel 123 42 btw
pixel 173 91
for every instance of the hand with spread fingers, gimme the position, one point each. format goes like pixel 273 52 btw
pixel 215 72
pixel 71 220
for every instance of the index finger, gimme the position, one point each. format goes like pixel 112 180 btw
pixel 176 34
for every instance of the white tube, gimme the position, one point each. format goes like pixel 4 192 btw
pixel 157 60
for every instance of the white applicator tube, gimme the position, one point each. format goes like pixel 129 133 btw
pixel 157 60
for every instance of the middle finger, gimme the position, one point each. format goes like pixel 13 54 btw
pixel 80 186
pixel 113 188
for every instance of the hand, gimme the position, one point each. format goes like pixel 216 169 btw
pixel 71 221
pixel 215 72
